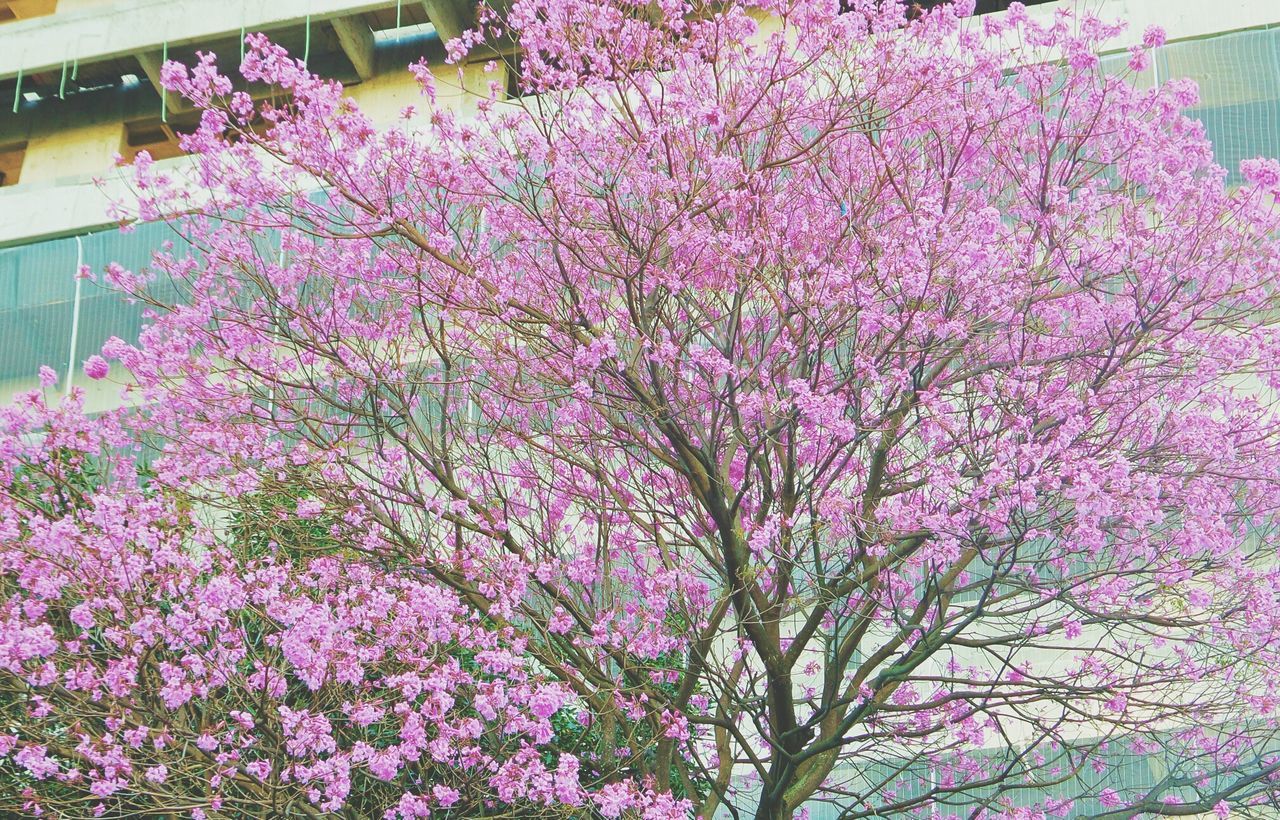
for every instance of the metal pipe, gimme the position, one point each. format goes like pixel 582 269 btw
pixel 75 316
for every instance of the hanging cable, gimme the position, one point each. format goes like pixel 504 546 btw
pixel 306 47
pixel 17 92
pixel 164 95
pixel 62 83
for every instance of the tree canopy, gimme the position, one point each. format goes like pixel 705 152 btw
pixel 773 404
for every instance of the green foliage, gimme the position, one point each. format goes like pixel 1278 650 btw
pixel 266 521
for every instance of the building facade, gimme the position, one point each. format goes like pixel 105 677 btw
pixel 80 81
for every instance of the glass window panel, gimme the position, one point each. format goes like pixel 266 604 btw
pixel 37 296
pixel 38 292
pixel 1239 79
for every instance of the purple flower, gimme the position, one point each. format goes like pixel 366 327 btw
pixel 96 367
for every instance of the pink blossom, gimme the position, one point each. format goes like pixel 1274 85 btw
pixel 546 702
pixel 96 367
pixel 260 769
pixel 612 800
pixel 444 795
pixel 411 805
pixel 82 616
pixel 310 508
pixel 1263 173
pixel 384 763
pixel 36 761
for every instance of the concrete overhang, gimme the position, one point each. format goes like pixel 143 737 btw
pixel 132 27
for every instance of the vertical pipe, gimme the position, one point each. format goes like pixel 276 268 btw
pixel 398 4
pixel 17 92
pixel 242 45
pixel 62 83
pixel 75 316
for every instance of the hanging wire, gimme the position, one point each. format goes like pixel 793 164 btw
pixel 398 4
pixel 164 95
pixel 306 48
pixel 75 68
pixel 62 83
pixel 17 92
pixel 242 45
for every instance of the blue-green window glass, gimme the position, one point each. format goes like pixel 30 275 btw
pixel 1239 79
pixel 38 298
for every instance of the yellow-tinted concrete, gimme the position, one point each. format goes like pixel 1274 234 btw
pixel 24 9
pixel 76 152
pixel 385 96
pixel 71 6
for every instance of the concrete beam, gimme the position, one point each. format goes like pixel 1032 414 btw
pixel 42 211
pixel 1180 19
pixel 150 61
pixel 120 105
pixel 356 40
pixel 450 17
pixel 131 27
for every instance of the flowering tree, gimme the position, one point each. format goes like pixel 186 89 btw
pixel 775 403
pixel 152 666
